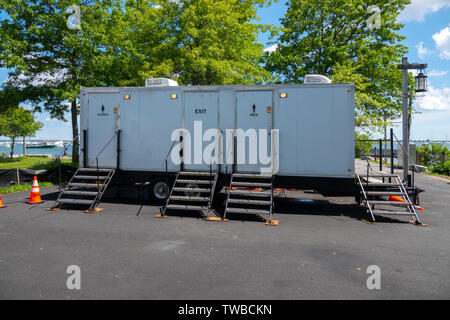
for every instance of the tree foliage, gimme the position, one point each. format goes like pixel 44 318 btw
pixel 18 122
pixel 332 37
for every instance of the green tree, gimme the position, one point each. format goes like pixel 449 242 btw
pixel 48 61
pixel 18 122
pixel 333 38
pixel 198 42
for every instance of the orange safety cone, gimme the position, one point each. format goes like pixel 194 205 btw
pixel 399 199
pixel 1 202
pixel 35 196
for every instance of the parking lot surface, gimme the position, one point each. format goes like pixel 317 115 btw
pixel 320 250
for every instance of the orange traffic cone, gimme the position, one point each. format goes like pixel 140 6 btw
pixel 1 202
pixel 399 199
pixel 35 196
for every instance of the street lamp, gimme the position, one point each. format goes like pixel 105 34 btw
pixel 421 82
pixel 421 86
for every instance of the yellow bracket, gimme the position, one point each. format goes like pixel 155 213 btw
pixel 96 210
pixel 368 222
pixel 216 219
pixel 417 224
pixel 53 209
pixel 272 223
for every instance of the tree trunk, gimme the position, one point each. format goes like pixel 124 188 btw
pixel 24 146
pixel 12 147
pixel 76 143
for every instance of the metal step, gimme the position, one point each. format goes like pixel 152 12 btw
pixel 400 213
pixel 252 176
pixel 75 201
pixel 94 170
pixel 80 193
pixel 85 185
pixel 384 193
pixel 90 177
pixel 252 211
pixel 375 175
pixel 251 184
pixel 186 207
pixel 380 184
pixel 397 203
pixel 192 189
pixel 195 181
pixel 184 198
pixel 254 193
pixel 201 174
pixel 246 201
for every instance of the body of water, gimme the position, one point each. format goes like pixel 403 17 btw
pixel 18 147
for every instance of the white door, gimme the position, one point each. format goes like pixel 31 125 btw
pixel 102 118
pixel 254 112
pixel 201 115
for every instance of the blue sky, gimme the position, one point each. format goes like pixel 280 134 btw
pixel 427 28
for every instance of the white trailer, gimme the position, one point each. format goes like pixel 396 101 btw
pixel 130 129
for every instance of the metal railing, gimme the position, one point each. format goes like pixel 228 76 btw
pixel 100 152
pixel 409 160
pixel 63 153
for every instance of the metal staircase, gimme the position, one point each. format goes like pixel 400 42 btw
pixel 258 200
pixel 86 187
pixel 374 186
pixel 192 191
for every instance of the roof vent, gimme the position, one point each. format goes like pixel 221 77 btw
pixel 316 79
pixel 160 82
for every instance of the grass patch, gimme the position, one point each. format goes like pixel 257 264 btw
pixel 22 187
pixel 34 163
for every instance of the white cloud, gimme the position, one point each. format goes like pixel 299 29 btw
pixel 271 48
pixel 422 51
pixel 442 41
pixel 435 99
pixel 437 73
pixel 418 9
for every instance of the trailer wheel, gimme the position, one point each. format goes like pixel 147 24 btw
pixel 159 190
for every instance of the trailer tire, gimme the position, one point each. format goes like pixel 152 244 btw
pixel 160 189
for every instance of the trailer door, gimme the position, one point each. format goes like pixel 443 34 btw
pixel 201 115
pixel 102 119
pixel 254 112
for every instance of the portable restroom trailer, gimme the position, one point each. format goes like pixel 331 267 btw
pixel 130 129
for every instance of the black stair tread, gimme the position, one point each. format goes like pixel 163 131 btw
pixel 244 210
pixel 403 213
pixel 197 173
pixel 384 193
pixel 75 201
pixel 90 177
pixel 85 185
pixel 187 198
pixel 248 201
pixel 80 193
pixel 265 193
pixel 249 175
pixel 195 181
pixel 94 170
pixel 192 189
pixel 185 207
pixel 251 184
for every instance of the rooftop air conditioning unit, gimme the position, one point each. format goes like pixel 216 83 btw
pixel 160 82
pixel 316 79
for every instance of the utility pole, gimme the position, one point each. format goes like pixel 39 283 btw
pixel 405 66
